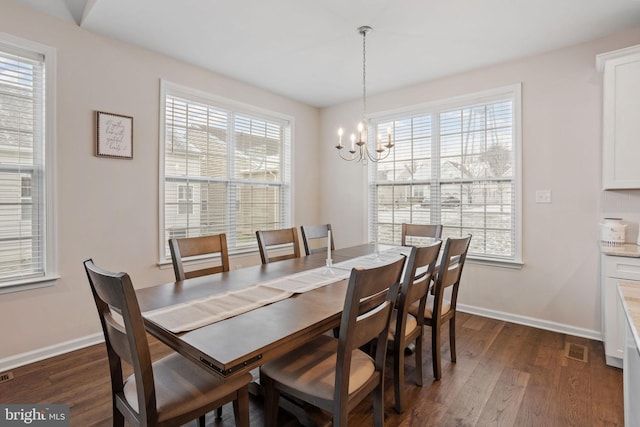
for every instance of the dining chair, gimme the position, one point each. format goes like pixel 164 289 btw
pixel 406 328
pixel 416 234
pixel 333 373
pixel 269 239
pixel 314 238
pixel 186 247
pixel 170 391
pixel 194 246
pixel 438 310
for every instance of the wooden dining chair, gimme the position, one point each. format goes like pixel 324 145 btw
pixel 275 240
pixel 314 238
pixel 334 374
pixel 194 246
pixel 416 234
pixel 168 392
pixel 438 310
pixel 405 328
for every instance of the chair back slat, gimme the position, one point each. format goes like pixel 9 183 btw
pixel 314 238
pixel 269 239
pixel 195 246
pixel 417 234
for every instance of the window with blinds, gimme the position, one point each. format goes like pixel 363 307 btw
pixel 226 169
pixel 24 179
pixel 454 164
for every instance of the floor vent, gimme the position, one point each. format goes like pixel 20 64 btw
pixel 6 376
pixel 576 352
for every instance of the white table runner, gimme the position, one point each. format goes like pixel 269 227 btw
pixel 201 312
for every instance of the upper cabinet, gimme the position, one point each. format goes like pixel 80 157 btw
pixel 620 118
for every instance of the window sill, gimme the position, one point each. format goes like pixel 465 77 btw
pixel 492 262
pixel 28 284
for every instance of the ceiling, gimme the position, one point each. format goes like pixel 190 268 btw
pixel 309 50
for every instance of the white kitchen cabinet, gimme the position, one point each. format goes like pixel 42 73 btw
pixel 614 268
pixel 620 112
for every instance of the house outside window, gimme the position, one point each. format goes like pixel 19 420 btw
pixel 455 163
pixel 27 163
pixel 225 168
pixel 185 199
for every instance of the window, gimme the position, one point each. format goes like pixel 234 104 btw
pixel 455 164
pixel 27 74
pixel 224 169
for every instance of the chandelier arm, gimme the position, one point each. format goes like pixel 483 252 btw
pixel 376 158
pixel 349 159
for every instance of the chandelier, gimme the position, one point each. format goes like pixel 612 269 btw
pixel 359 150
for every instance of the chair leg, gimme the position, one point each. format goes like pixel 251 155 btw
pixel 435 351
pixel 271 401
pixel 452 338
pixel 378 406
pixel 118 418
pixel 418 350
pixel 241 407
pixel 219 413
pixel 202 420
pixel 398 376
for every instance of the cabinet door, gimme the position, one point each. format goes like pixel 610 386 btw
pixel 621 127
pixel 613 323
pixel 631 379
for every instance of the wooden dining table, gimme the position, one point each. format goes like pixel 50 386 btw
pixel 244 342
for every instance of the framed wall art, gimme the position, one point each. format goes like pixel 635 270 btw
pixel 114 135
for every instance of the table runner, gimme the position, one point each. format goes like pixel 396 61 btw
pixel 194 314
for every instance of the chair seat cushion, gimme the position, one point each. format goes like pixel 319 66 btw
pixel 410 326
pixel 428 309
pixel 311 368
pixel 182 386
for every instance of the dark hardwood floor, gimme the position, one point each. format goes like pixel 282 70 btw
pixel 506 375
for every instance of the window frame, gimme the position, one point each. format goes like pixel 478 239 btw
pixel 514 92
pixel 168 88
pixel 47 169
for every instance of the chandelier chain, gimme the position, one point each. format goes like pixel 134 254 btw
pixel 364 74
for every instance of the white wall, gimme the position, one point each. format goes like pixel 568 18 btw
pixel 561 102
pixel 108 208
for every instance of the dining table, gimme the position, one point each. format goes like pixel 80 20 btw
pixel 240 343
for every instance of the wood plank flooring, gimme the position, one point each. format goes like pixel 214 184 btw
pixel 506 375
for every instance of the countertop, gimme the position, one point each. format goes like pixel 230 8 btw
pixel 627 249
pixel 629 292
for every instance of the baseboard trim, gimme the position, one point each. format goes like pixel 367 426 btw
pixel 533 322
pixel 55 350
pixel 50 351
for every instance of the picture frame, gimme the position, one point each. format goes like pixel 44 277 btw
pixel 114 135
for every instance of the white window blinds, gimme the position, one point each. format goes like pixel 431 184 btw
pixel 455 165
pixel 22 166
pixel 226 170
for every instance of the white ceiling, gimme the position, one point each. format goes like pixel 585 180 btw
pixel 309 50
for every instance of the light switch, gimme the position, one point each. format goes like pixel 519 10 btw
pixel 543 196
